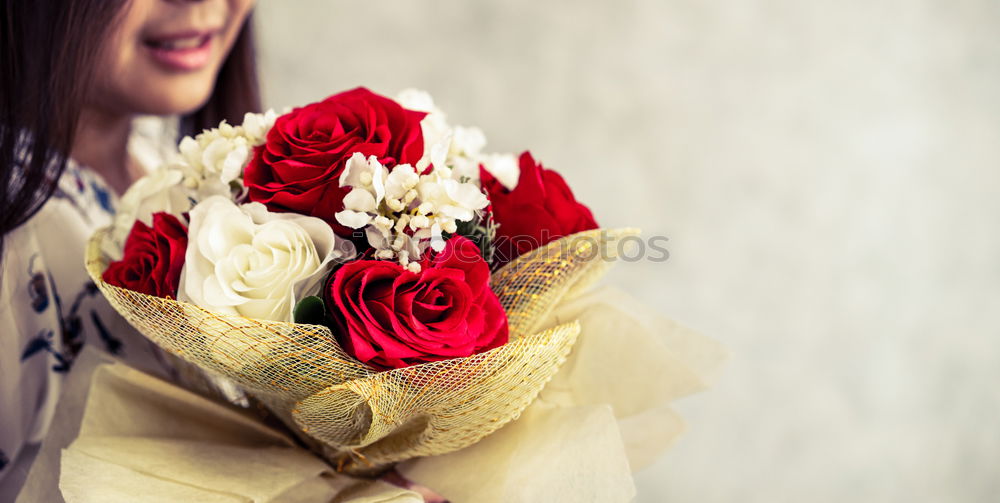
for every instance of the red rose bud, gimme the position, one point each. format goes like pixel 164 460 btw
pixel 298 168
pixel 540 209
pixel 153 257
pixel 390 317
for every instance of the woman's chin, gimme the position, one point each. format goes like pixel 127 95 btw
pixel 141 87
pixel 175 96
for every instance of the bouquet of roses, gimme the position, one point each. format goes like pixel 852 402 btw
pixel 361 268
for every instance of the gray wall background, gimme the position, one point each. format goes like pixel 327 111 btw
pixel 826 171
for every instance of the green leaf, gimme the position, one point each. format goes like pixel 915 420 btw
pixel 310 310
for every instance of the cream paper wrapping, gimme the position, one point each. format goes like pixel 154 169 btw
pixel 604 415
pixel 141 439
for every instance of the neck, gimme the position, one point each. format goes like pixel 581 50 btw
pixel 101 144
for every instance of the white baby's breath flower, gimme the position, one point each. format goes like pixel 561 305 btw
pixel 503 167
pixel 389 245
pixel 463 152
pixel 459 148
pixel 218 153
pixel 367 179
pixel 247 261
pixel 408 209
pixel 214 160
pixel 449 197
pixel 403 213
pixel 256 126
pixel 467 141
pixel 417 99
pixel 435 125
pixel 401 180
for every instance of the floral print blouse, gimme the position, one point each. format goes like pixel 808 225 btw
pixel 49 308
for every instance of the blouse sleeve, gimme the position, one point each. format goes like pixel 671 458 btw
pixel 31 352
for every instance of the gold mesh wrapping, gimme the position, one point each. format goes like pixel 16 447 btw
pixel 363 420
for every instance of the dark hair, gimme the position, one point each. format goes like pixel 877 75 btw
pixel 48 51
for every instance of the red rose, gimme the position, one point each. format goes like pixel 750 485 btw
pixel 540 209
pixel 298 169
pixel 390 317
pixel 153 257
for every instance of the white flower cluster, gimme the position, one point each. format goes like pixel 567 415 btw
pixel 213 161
pixel 403 213
pixel 209 164
pixel 462 146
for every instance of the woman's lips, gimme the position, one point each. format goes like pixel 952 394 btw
pixel 181 52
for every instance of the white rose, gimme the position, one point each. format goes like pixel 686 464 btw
pixel 246 261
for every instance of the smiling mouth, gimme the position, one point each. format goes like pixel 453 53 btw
pixel 175 44
pixel 186 52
